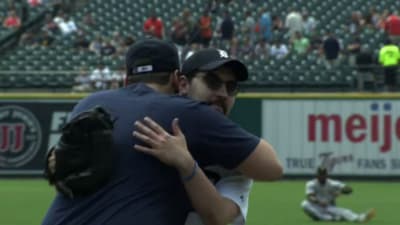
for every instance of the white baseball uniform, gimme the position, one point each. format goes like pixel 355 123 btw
pixel 327 193
pixel 231 185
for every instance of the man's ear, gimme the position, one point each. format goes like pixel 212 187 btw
pixel 174 81
pixel 184 85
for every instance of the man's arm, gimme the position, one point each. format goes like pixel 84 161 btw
pixel 213 208
pixel 262 164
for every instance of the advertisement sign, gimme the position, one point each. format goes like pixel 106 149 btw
pixel 350 137
pixel 27 129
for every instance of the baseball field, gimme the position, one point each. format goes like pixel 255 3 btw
pixel 24 202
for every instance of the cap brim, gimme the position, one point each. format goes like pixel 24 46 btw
pixel 238 68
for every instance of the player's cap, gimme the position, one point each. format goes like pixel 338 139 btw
pixel 210 59
pixel 151 56
pixel 322 171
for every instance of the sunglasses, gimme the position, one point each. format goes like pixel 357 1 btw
pixel 215 83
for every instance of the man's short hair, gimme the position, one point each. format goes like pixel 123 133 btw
pixel 161 78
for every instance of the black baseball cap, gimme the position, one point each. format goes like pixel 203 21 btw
pixel 151 56
pixel 210 59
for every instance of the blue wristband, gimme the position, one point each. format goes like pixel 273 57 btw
pixel 194 171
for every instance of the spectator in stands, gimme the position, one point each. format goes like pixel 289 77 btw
pixel 389 58
pixel 277 23
pixel 107 48
pixel 353 49
pixel 227 28
pixel 27 39
pixel 81 43
pixel 310 23
pixel 65 24
pixel 95 45
pixel 12 21
pixel 265 25
pixel 300 43
pixel 365 65
pixel 34 3
pixel 279 49
pixel 331 49
pixel 116 79
pixel 262 49
pixel 249 27
pixel 206 31
pixel 354 25
pixel 89 20
pixel 49 25
pixel 179 33
pixel 316 43
pixel 100 76
pixel 44 39
pixel 392 27
pixel 154 26
pixel 294 22
pixel 246 48
pixel 83 82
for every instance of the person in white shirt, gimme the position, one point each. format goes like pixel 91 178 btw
pixel 321 193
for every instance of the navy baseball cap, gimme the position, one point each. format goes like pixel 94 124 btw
pixel 151 56
pixel 210 59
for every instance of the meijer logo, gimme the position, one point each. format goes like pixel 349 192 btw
pixel 20 136
pixel 357 127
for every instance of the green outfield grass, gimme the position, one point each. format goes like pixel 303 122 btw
pixel 24 202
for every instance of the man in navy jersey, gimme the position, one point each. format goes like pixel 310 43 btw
pixel 143 190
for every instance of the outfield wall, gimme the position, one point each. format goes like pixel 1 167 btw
pixel 352 134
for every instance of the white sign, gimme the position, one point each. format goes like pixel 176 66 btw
pixel 350 137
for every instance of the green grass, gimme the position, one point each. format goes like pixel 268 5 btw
pixel 24 202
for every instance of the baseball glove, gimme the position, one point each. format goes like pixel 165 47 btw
pixel 83 154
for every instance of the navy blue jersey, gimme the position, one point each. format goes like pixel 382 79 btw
pixel 143 190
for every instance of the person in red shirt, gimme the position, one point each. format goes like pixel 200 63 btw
pixel 154 26
pixel 392 27
pixel 205 29
pixel 12 20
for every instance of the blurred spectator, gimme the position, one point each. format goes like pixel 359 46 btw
pixel 83 82
pixel 353 49
pixel 12 20
pixel 294 22
pixel 392 27
pixel 277 23
pixel 27 38
pixel 49 25
pixel 44 39
pixel 389 58
pixel 265 25
pixel 227 28
pixel 262 49
pixel 107 48
pixel 316 43
pixel 365 65
pixel 116 79
pixel 81 43
pixel 153 26
pixel 34 3
pixel 88 20
pixel 65 24
pixel 95 45
pixel 249 27
pixel 310 24
pixel 355 23
pixel 206 31
pixel 246 48
pixel 179 33
pixel 279 49
pixel 300 43
pixel 331 49
pixel 99 77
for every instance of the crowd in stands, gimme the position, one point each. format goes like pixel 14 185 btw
pixel 260 35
